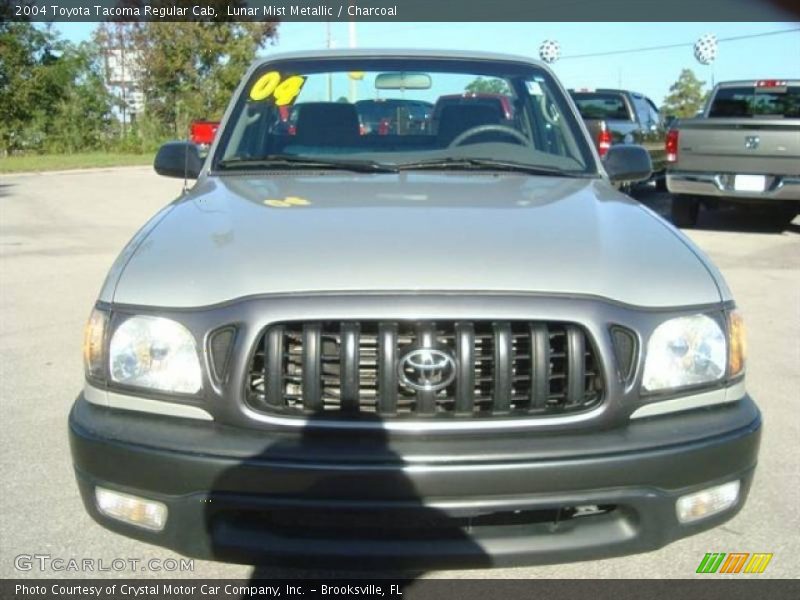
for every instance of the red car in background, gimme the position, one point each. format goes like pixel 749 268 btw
pixel 203 133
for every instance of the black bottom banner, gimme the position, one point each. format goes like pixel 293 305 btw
pixel 461 589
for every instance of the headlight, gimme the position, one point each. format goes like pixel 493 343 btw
pixel 155 353
pixel 685 351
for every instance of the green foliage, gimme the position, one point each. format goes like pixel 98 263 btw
pixel 52 96
pixel 482 85
pixel 686 96
pixel 188 70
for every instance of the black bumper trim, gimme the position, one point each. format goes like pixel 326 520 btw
pixel 218 504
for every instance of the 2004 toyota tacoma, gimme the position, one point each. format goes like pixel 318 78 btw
pixel 450 345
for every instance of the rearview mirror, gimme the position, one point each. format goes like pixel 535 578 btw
pixel 403 81
pixel 178 159
pixel 628 163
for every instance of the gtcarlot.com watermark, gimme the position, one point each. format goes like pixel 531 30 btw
pixel 47 563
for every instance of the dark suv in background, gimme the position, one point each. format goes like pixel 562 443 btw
pixel 624 117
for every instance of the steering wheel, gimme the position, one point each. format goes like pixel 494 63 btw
pixel 478 129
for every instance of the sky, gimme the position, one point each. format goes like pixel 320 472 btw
pixel 651 73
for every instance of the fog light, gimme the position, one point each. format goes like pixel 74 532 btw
pixel 708 502
pixel 147 514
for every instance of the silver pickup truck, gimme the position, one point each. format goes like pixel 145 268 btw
pixel 744 149
pixel 449 346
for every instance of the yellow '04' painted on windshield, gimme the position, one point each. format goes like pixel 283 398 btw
pixel 282 91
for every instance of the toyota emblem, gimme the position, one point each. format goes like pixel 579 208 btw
pixel 427 369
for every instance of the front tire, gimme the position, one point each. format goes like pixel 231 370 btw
pixel 783 217
pixel 685 211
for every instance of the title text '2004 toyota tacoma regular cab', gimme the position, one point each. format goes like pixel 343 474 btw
pixel 456 345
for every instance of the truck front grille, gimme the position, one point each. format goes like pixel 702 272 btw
pixel 423 369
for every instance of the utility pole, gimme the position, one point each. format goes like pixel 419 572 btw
pixel 121 41
pixel 328 45
pixel 353 42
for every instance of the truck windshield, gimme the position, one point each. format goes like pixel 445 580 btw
pixel 751 101
pixel 442 113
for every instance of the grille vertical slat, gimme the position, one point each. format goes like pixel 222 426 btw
pixel 540 365
pixel 465 361
pixel 349 360
pixel 475 369
pixel 273 367
pixel 576 366
pixel 503 368
pixel 387 368
pixel 312 367
pixel 426 399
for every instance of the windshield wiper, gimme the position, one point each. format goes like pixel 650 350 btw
pixel 489 164
pixel 292 161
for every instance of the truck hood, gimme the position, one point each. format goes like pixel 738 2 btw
pixel 243 235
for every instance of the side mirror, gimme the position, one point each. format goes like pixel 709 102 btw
pixel 628 163
pixel 178 159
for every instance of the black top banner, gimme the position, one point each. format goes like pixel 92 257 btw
pixel 400 10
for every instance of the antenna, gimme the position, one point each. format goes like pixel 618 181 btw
pixel 186 165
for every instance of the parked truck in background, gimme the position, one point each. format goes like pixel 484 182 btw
pixel 744 149
pixel 623 117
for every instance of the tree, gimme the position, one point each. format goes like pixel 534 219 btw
pixel 686 96
pixel 188 70
pixel 481 85
pixel 51 92
pixel 82 118
pixel 24 50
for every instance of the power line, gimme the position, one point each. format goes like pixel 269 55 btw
pixel 681 45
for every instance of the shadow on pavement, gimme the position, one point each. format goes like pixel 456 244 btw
pixel 727 218
pixel 301 515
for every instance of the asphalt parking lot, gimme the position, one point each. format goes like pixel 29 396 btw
pixel 59 233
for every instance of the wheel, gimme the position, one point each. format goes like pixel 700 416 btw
pixel 783 215
pixel 661 183
pixel 684 211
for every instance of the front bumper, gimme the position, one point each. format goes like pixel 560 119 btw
pixel 779 188
pixel 371 499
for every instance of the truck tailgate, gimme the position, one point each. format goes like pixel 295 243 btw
pixel 758 146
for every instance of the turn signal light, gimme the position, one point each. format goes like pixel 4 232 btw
pixel 147 514
pixel 738 344
pixel 93 343
pixel 708 502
